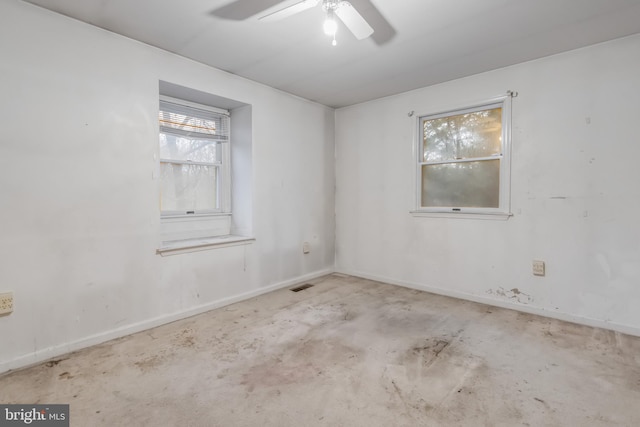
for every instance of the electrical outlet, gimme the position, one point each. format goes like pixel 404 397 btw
pixel 538 268
pixel 6 303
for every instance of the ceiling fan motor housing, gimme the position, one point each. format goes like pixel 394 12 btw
pixel 331 5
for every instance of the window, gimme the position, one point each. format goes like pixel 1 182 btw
pixel 194 159
pixel 198 163
pixel 464 160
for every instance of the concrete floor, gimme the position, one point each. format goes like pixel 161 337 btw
pixel 347 352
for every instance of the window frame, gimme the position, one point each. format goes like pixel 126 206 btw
pixel 503 210
pixel 222 167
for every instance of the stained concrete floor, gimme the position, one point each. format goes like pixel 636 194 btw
pixel 347 352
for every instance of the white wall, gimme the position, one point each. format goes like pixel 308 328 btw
pixel 575 192
pixel 79 205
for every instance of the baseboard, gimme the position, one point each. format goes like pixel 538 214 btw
pixel 596 323
pixel 59 350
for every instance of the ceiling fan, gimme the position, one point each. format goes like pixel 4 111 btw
pixel 332 8
pixel 361 17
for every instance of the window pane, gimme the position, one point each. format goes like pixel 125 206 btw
pixel 464 136
pixel 187 187
pixel 469 184
pixel 174 147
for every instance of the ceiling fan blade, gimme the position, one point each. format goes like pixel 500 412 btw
pixel 353 20
pixel 240 10
pixel 383 30
pixel 289 10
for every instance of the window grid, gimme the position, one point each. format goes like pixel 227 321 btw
pixel 194 172
pixel 464 160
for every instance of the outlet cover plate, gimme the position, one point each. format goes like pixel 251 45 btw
pixel 6 303
pixel 538 268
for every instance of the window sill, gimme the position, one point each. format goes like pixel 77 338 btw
pixel 182 216
pixel 175 247
pixel 497 216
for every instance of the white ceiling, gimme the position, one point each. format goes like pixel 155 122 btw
pixel 434 40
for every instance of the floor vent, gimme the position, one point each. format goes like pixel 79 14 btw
pixel 302 288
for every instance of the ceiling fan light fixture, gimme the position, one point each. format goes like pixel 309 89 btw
pixel 330 25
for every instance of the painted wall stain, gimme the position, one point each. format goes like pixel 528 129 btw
pixel 513 294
